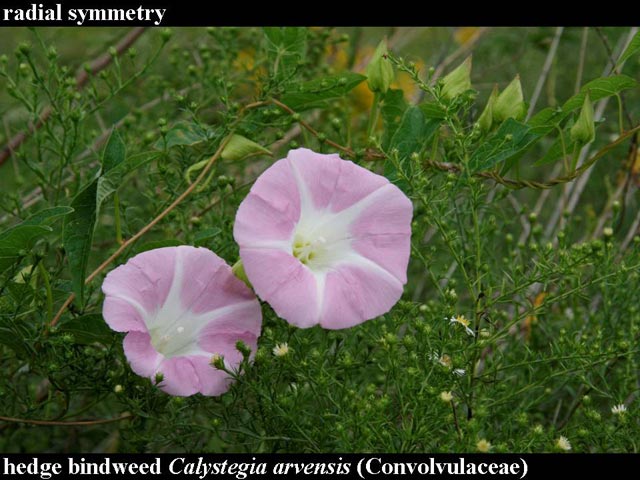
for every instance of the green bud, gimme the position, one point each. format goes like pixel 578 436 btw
pixel 238 271
pixel 243 348
pixel 510 103
pixel 458 81
pixel 24 48
pixel 217 361
pixel 584 130
pixel 240 147
pixel 380 71
pixel 166 35
pixel 486 118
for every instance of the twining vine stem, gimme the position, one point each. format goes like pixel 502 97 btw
pixel 372 154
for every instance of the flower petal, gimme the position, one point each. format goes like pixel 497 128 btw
pixel 211 381
pixel 144 281
pixel 355 293
pixel 221 335
pixel 121 316
pixel 382 232
pixel 271 209
pixel 208 283
pixel 333 183
pixel 180 377
pixel 289 287
pixel 143 358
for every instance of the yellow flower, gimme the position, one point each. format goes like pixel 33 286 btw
pixel 245 60
pixel 531 320
pixel 483 445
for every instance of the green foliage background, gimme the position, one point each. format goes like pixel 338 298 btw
pixel 548 278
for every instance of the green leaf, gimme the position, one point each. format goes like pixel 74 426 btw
pixel 632 49
pixel 183 134
pixel 78 236
pixel 239 148
pixel 316 93
pixel 80 225
pixel 556 151
pixel 19 239
pixel 204 235
pixel 413 133
pixel 88 329
pixel 598 89
pixel 546 120
pixel 286 47
pixel 432 110
pixel 111 180
pixel 15 342
pixel 508 143
pixel 393 107
pixel 114 152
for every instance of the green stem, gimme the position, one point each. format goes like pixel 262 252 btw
pixel 47 285
pixel 620 108
pixel 574 160
pixel 116 206
pixel 373 116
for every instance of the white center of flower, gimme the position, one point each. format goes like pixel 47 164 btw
pixel 309 251
pixel 171 341
pixel 321 241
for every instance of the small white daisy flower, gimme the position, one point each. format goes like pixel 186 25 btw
pixel 563 443
pixel 281 349
pixel 446 396
pixel 464 322
pixel 483 445
pixel 619 409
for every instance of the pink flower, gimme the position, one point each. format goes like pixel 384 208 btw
pixel 324 241
pixel 181 306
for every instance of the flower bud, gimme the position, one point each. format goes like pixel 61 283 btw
pixel 217 361
pixel 510 103
pixel 458 81
pixel 380 71
pixel 584 130
pixel 240 147
pixel 238 271
pixel 486 118
pixel 243 348
pixel 166 35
